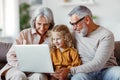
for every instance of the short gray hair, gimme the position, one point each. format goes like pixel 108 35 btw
pixel 45 12
pixel 81 11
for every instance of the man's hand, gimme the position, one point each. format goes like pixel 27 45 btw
pixel 61 74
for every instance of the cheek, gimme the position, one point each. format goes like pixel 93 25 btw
pixel 79 26
pixel 61 42
pixel 53 41
pixel 46 29
pixel 36 27
pixel 74 27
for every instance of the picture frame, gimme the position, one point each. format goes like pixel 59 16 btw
pixel 87 1
pixel 77 2
pixel 36 2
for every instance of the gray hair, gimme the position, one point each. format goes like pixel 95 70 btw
pixel 45 12
pixel 81 11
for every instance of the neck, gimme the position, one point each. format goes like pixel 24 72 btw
pixel 42 38
pixel 61 49
pixel 92 27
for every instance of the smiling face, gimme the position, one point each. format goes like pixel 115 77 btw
pixel 42 25
pixel 58 40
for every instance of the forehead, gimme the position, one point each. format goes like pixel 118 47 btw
pixel 74 17
pixel 55 34
pixel 41 19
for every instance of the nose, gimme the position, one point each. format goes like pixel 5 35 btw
pixel 74 27
pixel 55 41
pixel 42 27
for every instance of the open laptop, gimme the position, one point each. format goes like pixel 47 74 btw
pixel 34 58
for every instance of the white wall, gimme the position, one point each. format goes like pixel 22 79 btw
pixel 11 18
pixel 107 10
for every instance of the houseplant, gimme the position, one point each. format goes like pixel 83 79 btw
pixel 24 15
pixel 0 31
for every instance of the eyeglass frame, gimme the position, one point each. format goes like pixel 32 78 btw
pixel 75 23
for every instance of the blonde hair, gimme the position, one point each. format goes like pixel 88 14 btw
pixel 65 33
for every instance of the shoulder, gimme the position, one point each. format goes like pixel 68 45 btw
pixel 24 33
pixel 104 30
pixel 105 37
pixel 107 33
pixel 26 30
pixel 102 33
pixel 72 49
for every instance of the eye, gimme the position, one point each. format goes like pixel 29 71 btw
pixel 39 23
pixel 46 24
pixel 53 39
pixel 58 38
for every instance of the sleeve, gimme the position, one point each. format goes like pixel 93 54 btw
pixel 11 55
pixel 75 58
pixel 104 51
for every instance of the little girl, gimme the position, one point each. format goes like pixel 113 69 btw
pixel 63 53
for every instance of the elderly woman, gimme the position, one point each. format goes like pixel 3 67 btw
pixel 42 20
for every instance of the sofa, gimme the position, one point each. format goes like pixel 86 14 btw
pixel 4 47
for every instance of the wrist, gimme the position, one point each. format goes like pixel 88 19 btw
pixel 72 71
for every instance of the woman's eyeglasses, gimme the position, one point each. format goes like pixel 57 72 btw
pixel 75 23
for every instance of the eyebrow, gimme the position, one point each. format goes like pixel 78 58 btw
pixel 77 21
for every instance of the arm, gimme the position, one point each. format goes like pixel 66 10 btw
pixel 11 55
pixel 101 56
pixel 75 58
pixel 62 73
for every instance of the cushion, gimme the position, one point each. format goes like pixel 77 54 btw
pixel 4 48
pixel 117 51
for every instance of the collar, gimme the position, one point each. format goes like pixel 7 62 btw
pixel 64 50
pixel 33 31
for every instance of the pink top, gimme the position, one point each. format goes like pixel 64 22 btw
pixel 27 36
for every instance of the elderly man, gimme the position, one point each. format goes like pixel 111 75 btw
pixel 95 45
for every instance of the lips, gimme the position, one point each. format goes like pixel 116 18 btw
pixel 57 45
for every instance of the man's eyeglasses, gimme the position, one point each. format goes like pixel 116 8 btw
pixel 75 23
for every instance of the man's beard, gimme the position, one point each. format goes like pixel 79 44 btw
pixel 83 31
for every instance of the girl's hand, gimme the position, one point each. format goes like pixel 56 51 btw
pixel 61 74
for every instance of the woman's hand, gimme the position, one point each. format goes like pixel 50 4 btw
pixel 61 74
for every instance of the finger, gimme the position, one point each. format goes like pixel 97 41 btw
pixel 58 71
pixel 56 75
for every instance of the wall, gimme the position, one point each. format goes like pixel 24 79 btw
pixel 107 11
pixel 11 28
pixel 9 19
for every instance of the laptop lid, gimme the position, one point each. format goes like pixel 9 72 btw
pixel 34 58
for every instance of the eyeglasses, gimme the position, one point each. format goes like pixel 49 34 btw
pixel 75 23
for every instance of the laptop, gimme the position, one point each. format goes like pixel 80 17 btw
pixel 34 58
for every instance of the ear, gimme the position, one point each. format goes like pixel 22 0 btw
pixel 87 19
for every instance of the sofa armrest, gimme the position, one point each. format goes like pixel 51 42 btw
pixel 4 48
pixel 117 51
